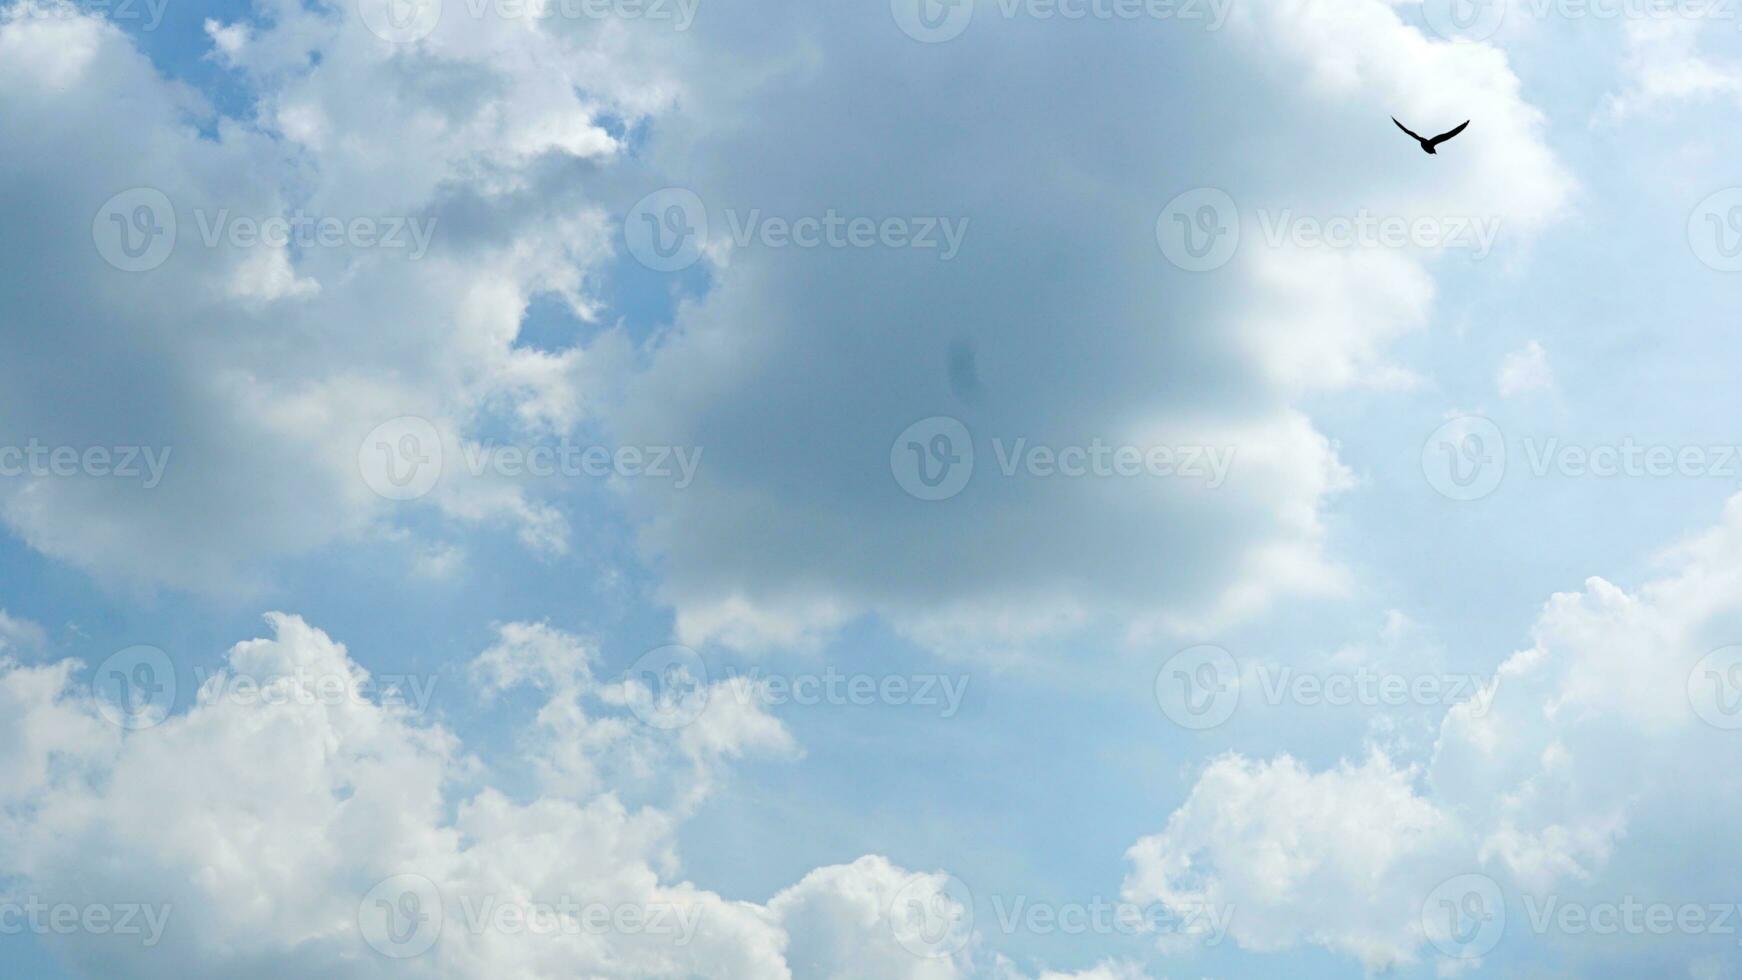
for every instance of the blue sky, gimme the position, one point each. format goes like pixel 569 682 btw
pixel 760 650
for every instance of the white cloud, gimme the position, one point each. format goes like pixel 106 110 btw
pixel 1524 370
pixel 264 821
pixel 799 368
pixel 1587 778
pixel 1272 840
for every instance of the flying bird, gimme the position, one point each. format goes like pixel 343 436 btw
pixel 1427 146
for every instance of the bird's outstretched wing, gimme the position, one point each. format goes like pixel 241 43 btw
pixel 1406 129
pixel 1441 138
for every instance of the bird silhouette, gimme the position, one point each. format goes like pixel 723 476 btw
pixel 1427 146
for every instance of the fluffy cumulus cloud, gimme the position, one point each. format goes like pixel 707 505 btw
pixel 277 826
pixel 1598 755
pixel 518 144
pixel 250 367
pixel 802 369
